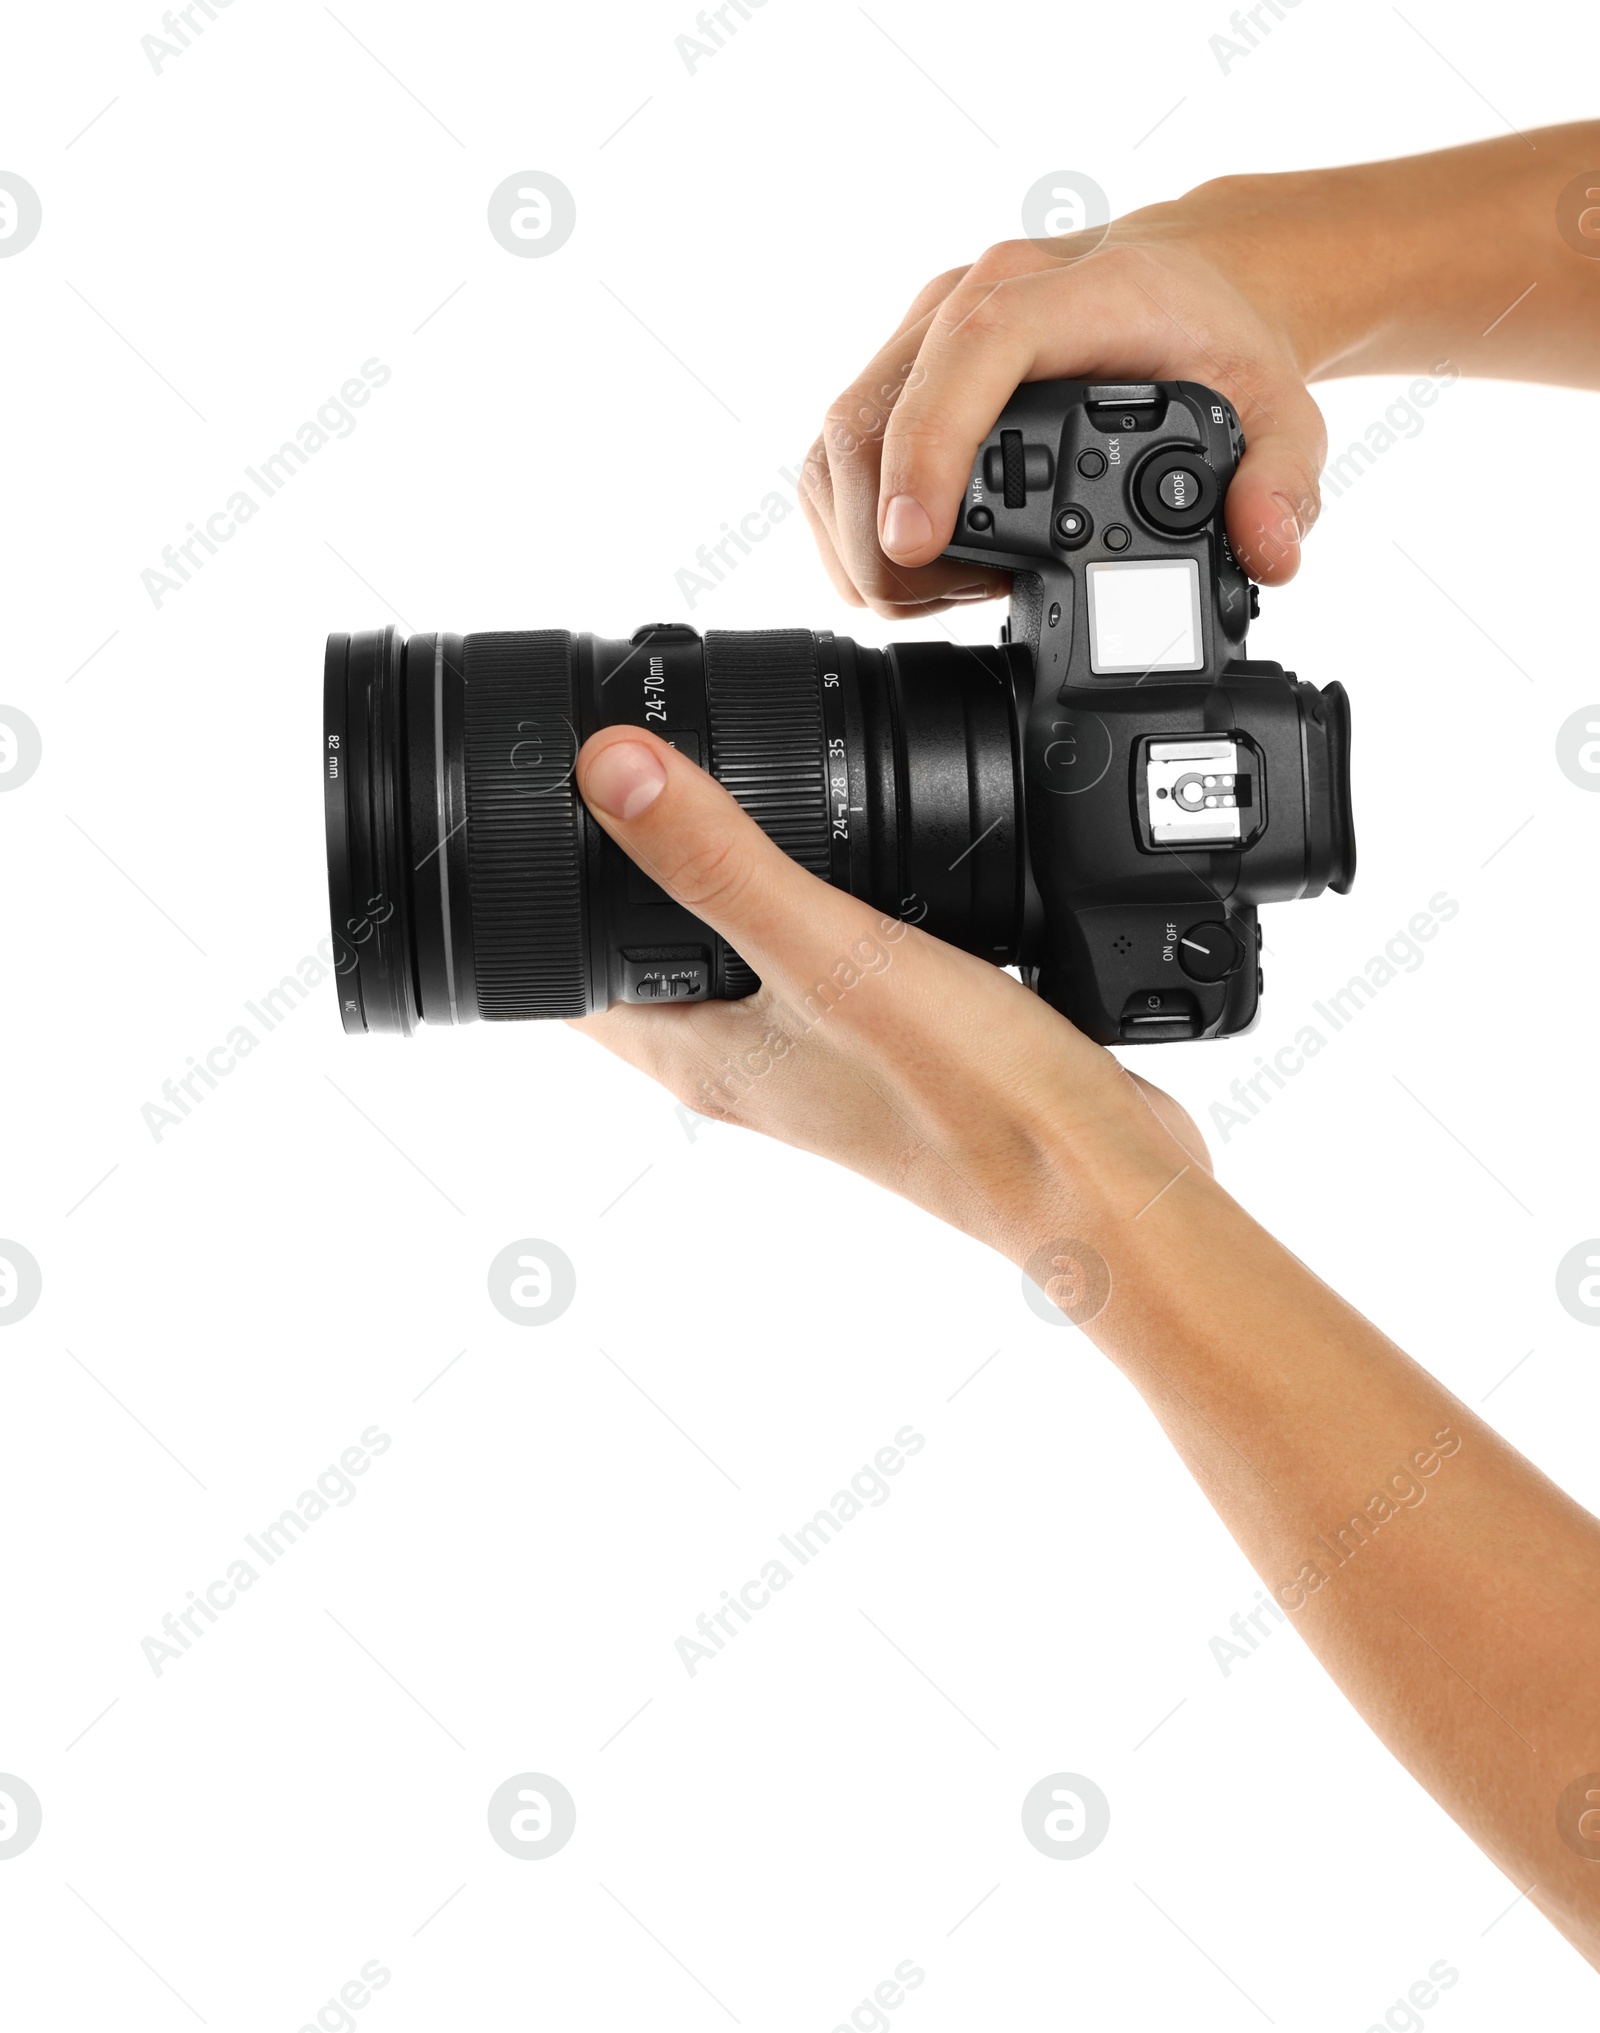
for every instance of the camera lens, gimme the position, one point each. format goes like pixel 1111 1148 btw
pixel 466 878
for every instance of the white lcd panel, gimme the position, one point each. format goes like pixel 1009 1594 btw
pixel 1144 615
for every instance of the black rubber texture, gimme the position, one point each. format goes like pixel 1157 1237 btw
pixel 521 724
pixel 764 711
pixel 769 748
pixel 1014 469
pixel 739 978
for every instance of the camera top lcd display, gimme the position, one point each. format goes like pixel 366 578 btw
pixel 1144 615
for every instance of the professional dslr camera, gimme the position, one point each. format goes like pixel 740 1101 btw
pixel 1102 801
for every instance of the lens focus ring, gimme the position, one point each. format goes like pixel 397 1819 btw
pixel 520 719
pixel 764 709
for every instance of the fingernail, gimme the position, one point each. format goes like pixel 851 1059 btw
pixel 624 779
pixel 1291 515
pixel 905 525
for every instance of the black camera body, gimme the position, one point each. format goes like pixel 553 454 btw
pixel 1102 801
pixel 1169 785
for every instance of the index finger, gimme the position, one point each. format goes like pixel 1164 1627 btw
pixel 1003 324
pixel 842 486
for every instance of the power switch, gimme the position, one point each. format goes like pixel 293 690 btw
pixel 1209 952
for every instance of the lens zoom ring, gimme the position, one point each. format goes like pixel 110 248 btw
pixel 764 708
pixel 522 826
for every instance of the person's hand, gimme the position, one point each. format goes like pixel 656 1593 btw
pixel 932 1072
pixel 1177 292
pixel 938 1075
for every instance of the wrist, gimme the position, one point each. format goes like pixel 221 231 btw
pixel 1096 1159
pixel 1306 249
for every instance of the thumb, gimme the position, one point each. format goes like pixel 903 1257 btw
pixel 691 837
pixel 1276 494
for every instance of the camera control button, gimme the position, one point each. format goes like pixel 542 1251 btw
pixel 1091 464
pixel 1158 1016
pixel 677 974
pixel 1209 952
pixel 980 519
pixel 1015 470
pixel 1073 526
pixel 1178 488
pixel 1116 538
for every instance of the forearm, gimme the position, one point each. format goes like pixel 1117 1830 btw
pixel 1389 267
pixel 1446 1585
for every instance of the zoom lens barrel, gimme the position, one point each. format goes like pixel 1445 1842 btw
pixel 522 823
pixel 467 879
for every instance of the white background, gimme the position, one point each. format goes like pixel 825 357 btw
pixel 764 1842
